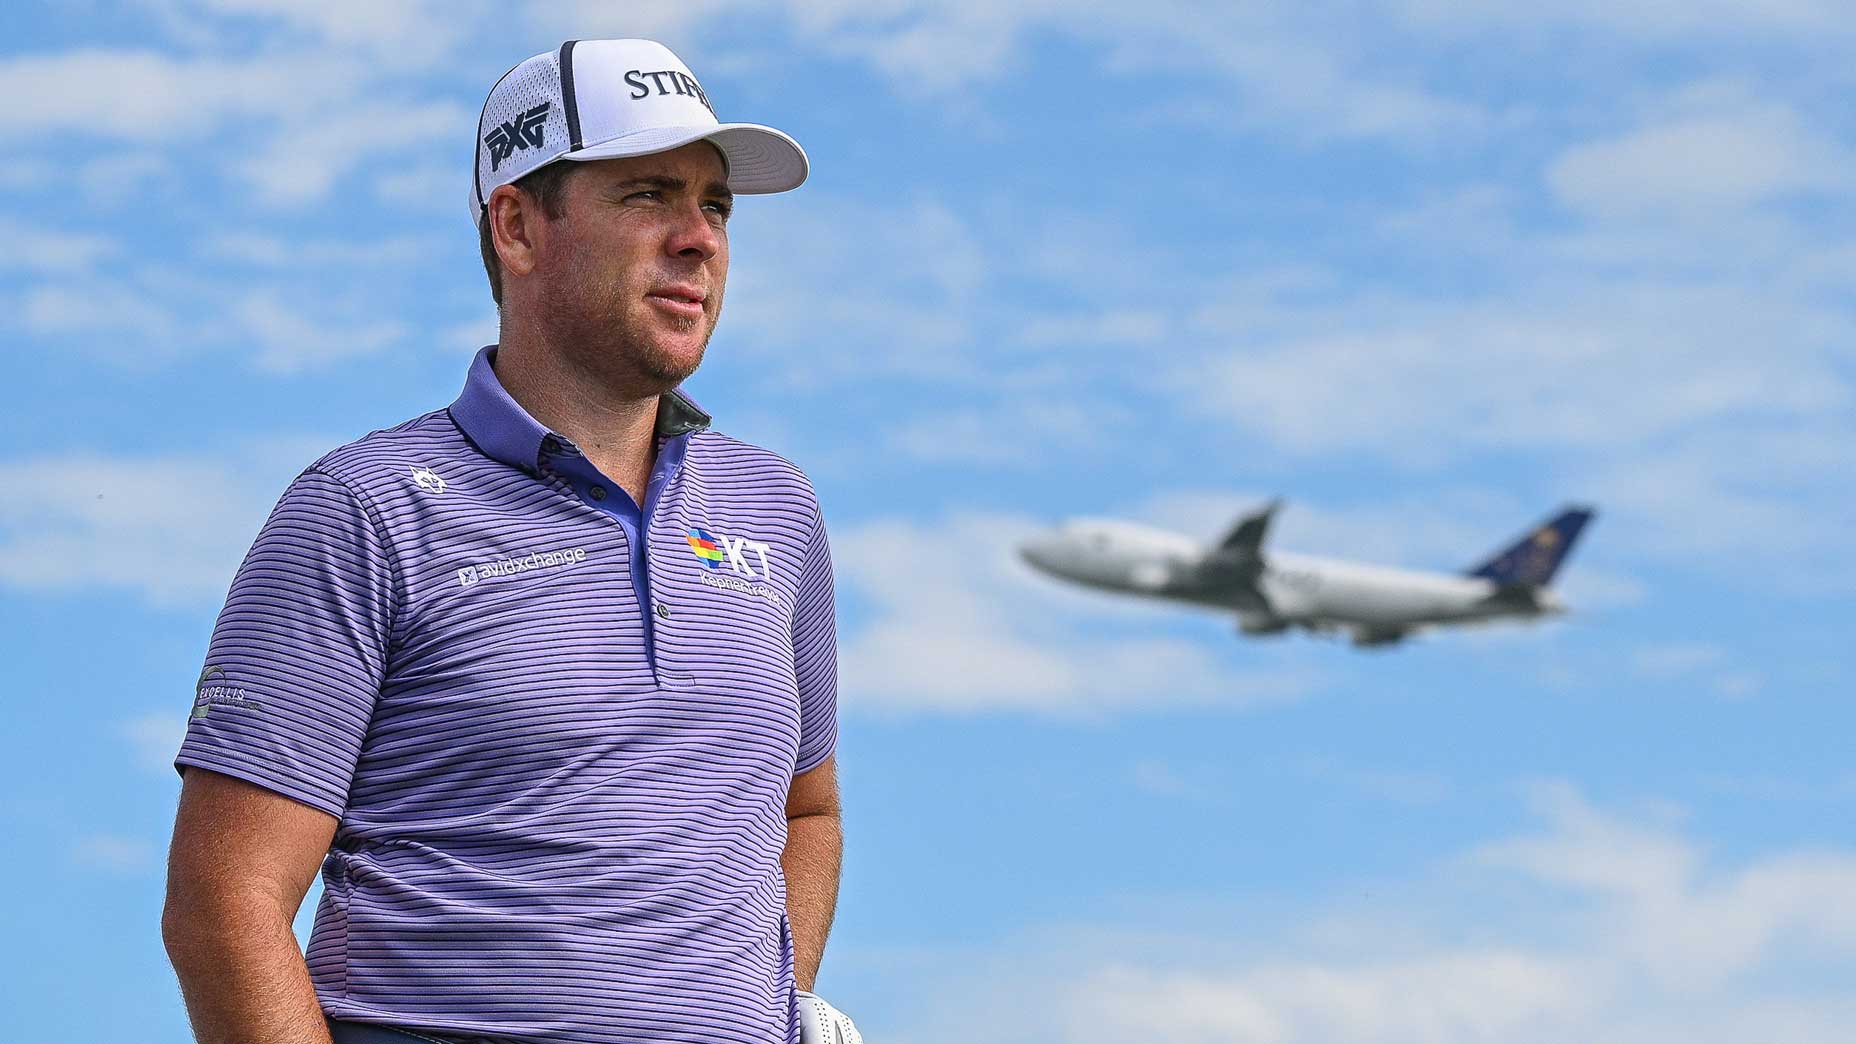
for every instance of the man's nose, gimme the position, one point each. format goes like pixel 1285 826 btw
pixel 693 236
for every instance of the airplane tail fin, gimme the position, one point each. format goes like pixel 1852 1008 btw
pixel 1534 559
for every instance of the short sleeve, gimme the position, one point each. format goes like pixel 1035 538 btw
pixel 815 654
pixel 299 652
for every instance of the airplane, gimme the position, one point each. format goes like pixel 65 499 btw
pixel 1274 591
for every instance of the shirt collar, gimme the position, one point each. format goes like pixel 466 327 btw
pixel 504 430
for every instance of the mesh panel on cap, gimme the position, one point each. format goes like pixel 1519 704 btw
pixel 534 82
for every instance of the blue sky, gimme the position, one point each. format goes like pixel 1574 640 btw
pixel 1425 273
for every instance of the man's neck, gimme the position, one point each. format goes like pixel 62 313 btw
pixel 614 427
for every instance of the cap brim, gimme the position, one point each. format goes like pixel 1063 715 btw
pixel 760 159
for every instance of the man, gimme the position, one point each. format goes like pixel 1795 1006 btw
pixel 543 682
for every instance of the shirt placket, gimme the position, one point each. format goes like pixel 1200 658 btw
pixel 594 489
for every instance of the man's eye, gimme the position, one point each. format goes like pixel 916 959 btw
pixel 718 207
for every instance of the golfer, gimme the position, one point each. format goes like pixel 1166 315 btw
pixel 543 682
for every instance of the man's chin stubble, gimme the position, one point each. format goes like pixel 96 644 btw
pixel 663 367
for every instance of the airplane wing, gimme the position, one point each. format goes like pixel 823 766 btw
pixel 1245 540
pixel 1228 573
pixel 1372 637
pixel 1520 596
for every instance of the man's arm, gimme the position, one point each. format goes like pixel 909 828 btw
pixel 242 859
pixel 814 850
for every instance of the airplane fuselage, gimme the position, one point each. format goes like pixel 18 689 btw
pixel 1271 591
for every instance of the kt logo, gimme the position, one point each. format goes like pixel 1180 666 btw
pixel 520 133
pixel 713 549
pixel 738 548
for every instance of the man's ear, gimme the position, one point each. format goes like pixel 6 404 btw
pixel 515 219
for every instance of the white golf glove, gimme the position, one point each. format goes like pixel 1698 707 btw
pixel 820 1023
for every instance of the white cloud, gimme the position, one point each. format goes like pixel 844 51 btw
pixel 1295 72
pixel 393 34
pixel 1581 367
pixel 1749 498
pixel 1700 415
pixel 1700 165
pixel 153 318
pixel 1644 21
pixel 303 119
pixel 290 341
pixel 98 308
pixel 305 163
pixel 907 281
pixel 149 97
pixel 1476 994
pixel 956 624
pixel 1667 917
pixel 46 251
pixel 427 186
pixel 1688 375
pixel 670 23
pixel 1593 926
pixel 170 529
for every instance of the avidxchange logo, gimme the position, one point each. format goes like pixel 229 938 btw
pixel 472 575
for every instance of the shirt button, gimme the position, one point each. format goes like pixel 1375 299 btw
pixel 663 611
pixel 597 492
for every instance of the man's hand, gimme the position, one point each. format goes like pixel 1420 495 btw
pixel 820 1023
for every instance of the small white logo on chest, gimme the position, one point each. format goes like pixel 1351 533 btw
pixel 428 480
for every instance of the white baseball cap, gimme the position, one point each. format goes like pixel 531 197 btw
pixel 598 99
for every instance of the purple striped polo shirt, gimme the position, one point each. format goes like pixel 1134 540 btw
pixel 561 814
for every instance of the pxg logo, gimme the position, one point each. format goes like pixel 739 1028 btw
pixel 522 132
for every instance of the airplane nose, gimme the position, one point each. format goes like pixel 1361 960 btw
pixel 1036 551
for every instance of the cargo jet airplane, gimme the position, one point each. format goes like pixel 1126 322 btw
pixel 1276 590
